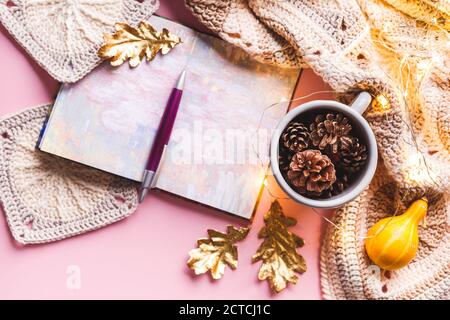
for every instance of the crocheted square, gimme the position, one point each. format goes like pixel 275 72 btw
pixel 47 198
pixel 63 36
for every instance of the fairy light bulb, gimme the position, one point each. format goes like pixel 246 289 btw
pixel 380 104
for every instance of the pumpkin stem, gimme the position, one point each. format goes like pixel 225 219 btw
pixel 418 210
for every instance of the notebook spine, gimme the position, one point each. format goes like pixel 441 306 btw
pixel 47 118
pixel 44 127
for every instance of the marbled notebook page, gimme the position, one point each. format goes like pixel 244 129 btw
pixel 108 120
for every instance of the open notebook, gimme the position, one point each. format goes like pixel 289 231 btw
pixel 108 120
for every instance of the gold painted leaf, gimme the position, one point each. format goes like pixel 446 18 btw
pixel 216 251
pixel 136 43
pixel 278 251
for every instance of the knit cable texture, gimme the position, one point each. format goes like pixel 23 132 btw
pixel 47 198
pixel 335 39
pixel 63 36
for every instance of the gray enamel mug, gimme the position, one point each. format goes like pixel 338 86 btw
pixel 363 131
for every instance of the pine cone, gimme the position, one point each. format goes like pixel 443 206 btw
pixel 284 160
pixel 341 183
pixel 327 131
pixel 296 137
pixel 311 171
pixel 353 155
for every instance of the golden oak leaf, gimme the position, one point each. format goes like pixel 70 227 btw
pixel 216 251
pixel 136 43
pixel 278 251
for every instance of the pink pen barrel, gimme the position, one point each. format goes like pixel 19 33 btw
pixel 162 137
pixel 165 129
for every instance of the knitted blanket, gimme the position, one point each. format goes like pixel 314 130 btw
pixel 398 51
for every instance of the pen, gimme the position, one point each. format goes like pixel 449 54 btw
pixel 162 136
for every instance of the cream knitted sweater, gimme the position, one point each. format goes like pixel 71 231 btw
pixel 368 44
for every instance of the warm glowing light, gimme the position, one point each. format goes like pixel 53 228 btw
pixel 381 104
pixel 416 169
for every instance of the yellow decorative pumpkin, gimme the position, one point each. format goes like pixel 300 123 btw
pixel 392 242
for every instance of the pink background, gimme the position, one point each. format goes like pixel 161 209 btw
pixel 143 256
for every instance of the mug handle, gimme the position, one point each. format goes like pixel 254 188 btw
pixel 362 102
